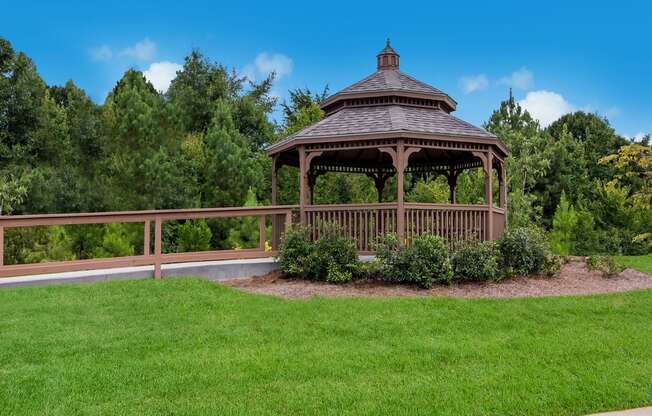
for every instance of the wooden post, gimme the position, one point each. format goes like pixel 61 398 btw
pixel 452 184
pixel 489 195
pixel 146 233
pixel 503 186
pixel 157 248
pixel 302 184
pixel 261 232
pixel 275 222
pixel 400 200
pixel 2 245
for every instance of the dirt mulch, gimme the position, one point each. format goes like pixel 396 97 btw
pixel 574 279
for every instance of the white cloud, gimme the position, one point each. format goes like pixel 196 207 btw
pixel 266 63
pixel 101 53
pixel 161 74
pixel 521 79
pixel 546 106
pixel 143 50
pixel 474 83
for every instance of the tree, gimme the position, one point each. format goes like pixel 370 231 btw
pixel 563 225
pixel 527 162
pixel 568 173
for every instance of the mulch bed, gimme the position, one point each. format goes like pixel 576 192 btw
pixel 574 279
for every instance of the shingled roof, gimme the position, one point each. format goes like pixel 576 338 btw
pixel 387 101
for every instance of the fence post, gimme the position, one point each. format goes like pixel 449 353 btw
pixel 261 232
pixel 157 248
pixel 146 234
pixel 2 245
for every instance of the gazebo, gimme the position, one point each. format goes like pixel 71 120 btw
pixel 390 124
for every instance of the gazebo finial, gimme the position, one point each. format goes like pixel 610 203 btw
pixel 388 58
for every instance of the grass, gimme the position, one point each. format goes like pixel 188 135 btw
pixel 191 347
pixel 642 263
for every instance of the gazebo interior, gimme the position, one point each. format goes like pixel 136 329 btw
pixel 385 126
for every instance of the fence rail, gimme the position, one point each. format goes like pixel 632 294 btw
pixel 281 218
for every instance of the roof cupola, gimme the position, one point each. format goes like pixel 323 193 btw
pixel 388 58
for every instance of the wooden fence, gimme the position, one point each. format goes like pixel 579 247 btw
pixel 281 217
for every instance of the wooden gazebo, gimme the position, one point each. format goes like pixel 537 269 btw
pixel 390 124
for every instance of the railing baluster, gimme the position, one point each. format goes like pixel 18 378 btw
pixel 261 232
pixel 146 233
pixel 157 248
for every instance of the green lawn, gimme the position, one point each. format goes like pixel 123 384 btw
pixel 642 263
pixel 187 346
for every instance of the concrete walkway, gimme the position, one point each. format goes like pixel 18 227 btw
pixel 643 411
pixel 212 270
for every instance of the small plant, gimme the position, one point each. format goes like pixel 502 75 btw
pixel 523 251
pixel 296 251
pixel 423 262
pixel 476 261
pixel 332 257
pixel 607 265
pixel 552 264
pixel 194 236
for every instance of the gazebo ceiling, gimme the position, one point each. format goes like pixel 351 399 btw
pixel 388 104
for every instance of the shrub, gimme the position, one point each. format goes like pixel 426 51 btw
pixel 423 262
pixel 476 261
pixel 523 251
pixel 333 254
pixel 552 265
pixel 332 257
pixel 295 251
pixel 194 236
pixel 116 242
pixel 607 265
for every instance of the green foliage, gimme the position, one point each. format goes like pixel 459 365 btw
pixel 295 251
pixel 563 225
pixel 244 231
pixel 523 251
pixel 333 253
pixel 194 235
pixel 476 261
pixel 117 242
pixel 606 265
pixel 424 262
pixel 332 257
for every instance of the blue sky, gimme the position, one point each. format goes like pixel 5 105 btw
pixel 557 56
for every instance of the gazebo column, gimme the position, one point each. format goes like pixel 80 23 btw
pixel 400 200
pixel 489 194
pixel 452 185
pixel 305 159
pixel 400 158
pixel 303 183
pixel 275 221
pixel 379 179
pixel 502 195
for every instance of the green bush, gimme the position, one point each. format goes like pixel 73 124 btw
pixel 194 236
pixel 607 265
pixel 117 242
pixel 476 261
pixel 333 251
pixel 523 251
pixel 332 257
pixel 423 262
pixel 295 251
pixel 552 265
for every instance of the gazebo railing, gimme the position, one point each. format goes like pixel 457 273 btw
pixel 453 222
pixel 361 222
pixel 365 222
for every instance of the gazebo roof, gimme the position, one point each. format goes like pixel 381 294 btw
pixel 388 104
